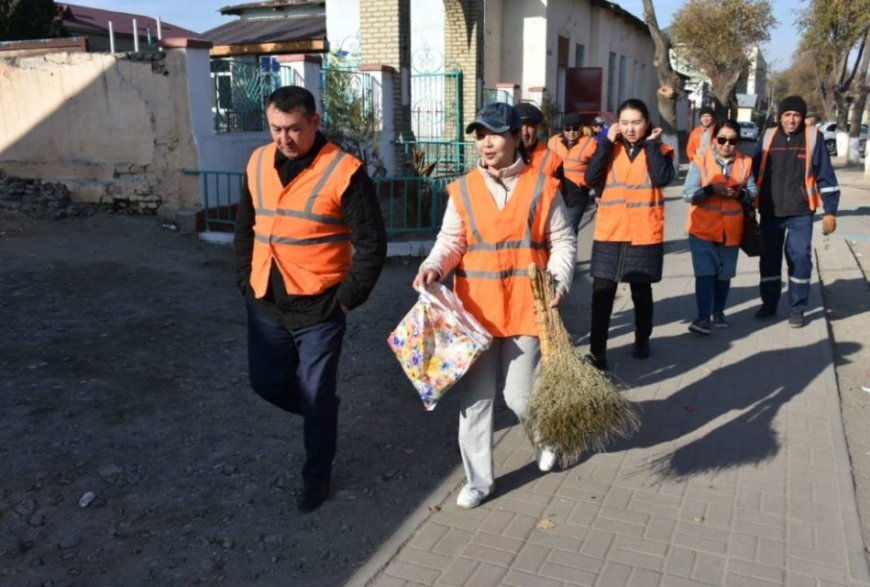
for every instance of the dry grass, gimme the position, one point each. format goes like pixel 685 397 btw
pixel 575 407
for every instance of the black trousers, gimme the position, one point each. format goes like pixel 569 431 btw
pixel 603 293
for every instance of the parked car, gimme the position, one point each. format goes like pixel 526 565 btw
pixel 748 131
pixel 829 132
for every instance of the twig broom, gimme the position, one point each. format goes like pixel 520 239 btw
pixel 574 407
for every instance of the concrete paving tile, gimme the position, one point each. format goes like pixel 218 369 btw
pixel 618 497
pixel 813 569
pixel 428 535
pixel 834 559
pixel 738 580
pixel 486 554
pixel 424 558
pixel 459 571
pixel 650 497
pixel 660 530
pixel 743 546
pixel 409 572
pixel 761 518
pixel 520 526
pixel 557 541
pixel 701 530
pixel 828 538
pixel 618 526
pixel 580 561
pixel 565 573
pixel 583 514
pixel 771 552
pixel 598 543
pixel 624 515
pixel 709 568
pixel 453 542
pixel 560 509
pixel 516 578
pixel 774 504
pixel 636 559
pixel 801 533
pixel 759 530
pixel 749 499
pixel 672 581
pixel 644 578
pixel 698 543
pixel 486 576
pixel 498 542
pixel 614 575
pixel 724 497
pixel 750 569
pixel 388 581
pixel 497 521
pixel 452 519
pixel 794 580
pixel 640 545
pixel 531 557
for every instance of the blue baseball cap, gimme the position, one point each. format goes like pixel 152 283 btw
pixel 497 117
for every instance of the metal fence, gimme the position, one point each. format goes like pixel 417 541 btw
pixel 350 99
pixel 221 192
pixel 436 105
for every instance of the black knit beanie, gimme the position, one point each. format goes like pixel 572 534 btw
pixel 793 104
pixel 706 110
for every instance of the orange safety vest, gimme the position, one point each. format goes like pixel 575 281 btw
pixel 630 208
pixel 577 160
pixel 699 141
pixel 715 218
pixel 556 145
pixel 492 278
pixel 814 198
pixel 544 160
pixel 300 226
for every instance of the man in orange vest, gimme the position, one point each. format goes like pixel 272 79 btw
pixel 545 160
pixel 310 244
pixel 795 177
pixel 702 136
pixel 576 150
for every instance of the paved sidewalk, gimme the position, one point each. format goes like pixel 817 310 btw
pixel 739 475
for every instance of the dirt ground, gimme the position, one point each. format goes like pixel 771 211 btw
pixel 132 451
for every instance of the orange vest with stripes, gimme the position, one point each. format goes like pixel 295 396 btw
pixel 492 277
pixel 577 160
pixel 630 208
pixel 814 198
pixel 300 226
pixel 715 218
pixel 544 160
pixel 699 140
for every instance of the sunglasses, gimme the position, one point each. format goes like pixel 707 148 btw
pixel 570 128
pixel 723 140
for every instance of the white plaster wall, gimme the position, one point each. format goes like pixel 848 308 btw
pixel 114 130
pixel 524 43
pixel 493 20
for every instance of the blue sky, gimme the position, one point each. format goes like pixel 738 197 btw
pixel 201 15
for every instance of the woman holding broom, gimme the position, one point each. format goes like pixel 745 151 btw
pixel 500 217
pixel 633 166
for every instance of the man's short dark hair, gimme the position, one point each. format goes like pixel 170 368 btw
pixel 289 98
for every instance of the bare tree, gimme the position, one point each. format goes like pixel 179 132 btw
pixel 670 82
pixel 833 31
pixel 718 37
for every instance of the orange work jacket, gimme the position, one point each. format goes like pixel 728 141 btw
pixel 699 141
pixel 300 226
pixel 630 208
pixel 544 160
pixel 492 277
pixel 577 160
pixel 814 197
pixel 715 218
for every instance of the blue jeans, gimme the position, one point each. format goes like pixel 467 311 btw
pixel 794 236
pixel 297 371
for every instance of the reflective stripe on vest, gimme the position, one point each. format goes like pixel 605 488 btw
pixel 718 219
pixel 811 135
pixel 492 277
pixel 299 227
pixel 631 209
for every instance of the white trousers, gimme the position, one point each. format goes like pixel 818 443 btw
pixel 508 366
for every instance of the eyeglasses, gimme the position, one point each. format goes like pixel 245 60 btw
pixel 570 128
pixel 723 140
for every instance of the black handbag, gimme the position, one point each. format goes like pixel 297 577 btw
pixel 752 244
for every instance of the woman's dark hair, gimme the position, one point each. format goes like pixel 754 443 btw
pixel 288 98
pixel 640 106
pixel 730 123
pixel 521 147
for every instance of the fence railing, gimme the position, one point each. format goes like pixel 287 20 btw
pixel 408 204
pixel 452 158
pixel 241 90
pixel 221 192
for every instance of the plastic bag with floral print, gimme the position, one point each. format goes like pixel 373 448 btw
pixel 437 342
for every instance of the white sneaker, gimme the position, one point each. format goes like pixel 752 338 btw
pixel 547 459
pixel 470 497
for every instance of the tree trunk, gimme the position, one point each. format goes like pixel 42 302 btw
pixel 670 84
pixel 853 155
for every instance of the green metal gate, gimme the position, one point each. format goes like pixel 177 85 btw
pixel 436 120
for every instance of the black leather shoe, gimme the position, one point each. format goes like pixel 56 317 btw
pixel 765 312
pixel 312 496
pixel 641 349
pixel 597 361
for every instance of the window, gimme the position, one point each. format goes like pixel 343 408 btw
pixel 611 82
pixel 623 66
pixel 579 55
